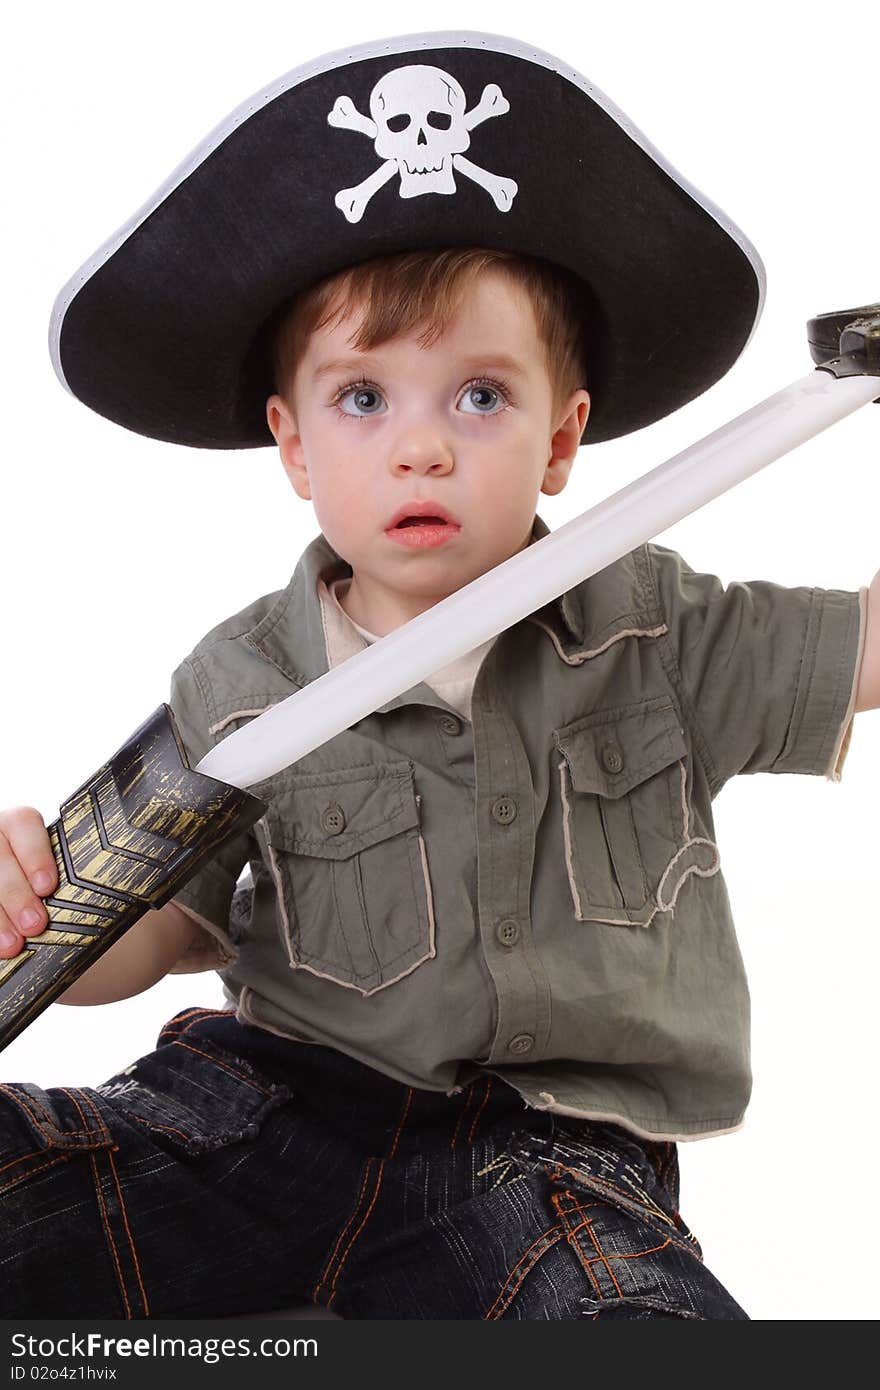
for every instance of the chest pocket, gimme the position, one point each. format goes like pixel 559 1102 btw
pixel 626 820
pixel 352 872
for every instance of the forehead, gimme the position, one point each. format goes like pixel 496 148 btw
pixel 493 314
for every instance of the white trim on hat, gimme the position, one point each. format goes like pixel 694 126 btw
pixel 498 43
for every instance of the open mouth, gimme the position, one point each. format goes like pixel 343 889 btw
pixel 421 521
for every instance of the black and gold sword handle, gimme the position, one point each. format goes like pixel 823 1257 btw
pixel 125 842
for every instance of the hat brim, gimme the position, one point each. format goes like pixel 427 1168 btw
pixel 163 329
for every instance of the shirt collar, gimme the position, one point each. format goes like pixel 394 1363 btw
pixel 293 634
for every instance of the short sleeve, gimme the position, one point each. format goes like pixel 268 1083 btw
pixel 207 897
pixel 769 674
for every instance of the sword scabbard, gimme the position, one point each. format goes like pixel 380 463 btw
pixel 124 843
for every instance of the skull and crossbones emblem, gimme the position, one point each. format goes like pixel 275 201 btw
pixel 420 130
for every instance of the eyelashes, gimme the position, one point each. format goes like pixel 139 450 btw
pixel 500 387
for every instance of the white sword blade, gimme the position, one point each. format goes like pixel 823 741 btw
pixel 535 576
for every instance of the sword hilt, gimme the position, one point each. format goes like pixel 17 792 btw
pixel 124 843
pixel 847 341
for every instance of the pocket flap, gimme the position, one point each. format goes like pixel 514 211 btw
pixel 335 814
pixel 611 751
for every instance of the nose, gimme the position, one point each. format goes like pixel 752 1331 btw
pixel 422 454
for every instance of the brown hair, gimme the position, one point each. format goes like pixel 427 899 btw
pixel 401 292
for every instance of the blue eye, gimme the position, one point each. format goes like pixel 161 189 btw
pixel 360 396
pixel 481 389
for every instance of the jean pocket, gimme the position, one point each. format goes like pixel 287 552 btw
pixel 47 1128
pixel 626 817
pixel 351 869
pixel 194 1095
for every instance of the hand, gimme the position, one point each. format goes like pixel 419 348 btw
pixel 27 871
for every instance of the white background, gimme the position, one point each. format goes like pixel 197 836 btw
pixel 119 552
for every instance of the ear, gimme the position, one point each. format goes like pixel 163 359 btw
pixel 565 442
pixel 284 429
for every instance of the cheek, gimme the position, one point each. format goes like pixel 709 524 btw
pixel 509 485
pixel 343 508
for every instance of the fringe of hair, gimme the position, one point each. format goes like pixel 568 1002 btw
pixel 400 293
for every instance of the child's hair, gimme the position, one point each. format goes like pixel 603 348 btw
pixel 402 292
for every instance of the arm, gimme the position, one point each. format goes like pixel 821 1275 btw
pixel 140 958
pixel 868 694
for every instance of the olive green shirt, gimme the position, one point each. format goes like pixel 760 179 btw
pixel 535 892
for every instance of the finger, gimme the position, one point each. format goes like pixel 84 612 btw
pixel 10 941
pixel 22 907
pixel 28 838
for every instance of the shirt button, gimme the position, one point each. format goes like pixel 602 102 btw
pixel 504 809
pixel 333 819
pixel 507 932
pixel 523 1042
pixel 612 758
pixel 448 724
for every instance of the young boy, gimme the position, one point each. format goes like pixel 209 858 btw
pixel 487 976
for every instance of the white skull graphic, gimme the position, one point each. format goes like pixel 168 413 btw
pixel 420 130
pixel 419 116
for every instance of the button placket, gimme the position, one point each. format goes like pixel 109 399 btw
pixel 506 844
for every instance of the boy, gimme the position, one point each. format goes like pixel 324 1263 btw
pixel 503 886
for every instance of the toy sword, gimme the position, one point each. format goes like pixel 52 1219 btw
pixel 131 836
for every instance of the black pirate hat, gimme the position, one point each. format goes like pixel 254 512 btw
pixel 425 141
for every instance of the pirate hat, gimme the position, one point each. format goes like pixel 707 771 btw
pixel 423 141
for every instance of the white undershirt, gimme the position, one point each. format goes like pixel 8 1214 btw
pixel 454 682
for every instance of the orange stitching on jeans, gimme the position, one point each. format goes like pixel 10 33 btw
pixel 600 1252
pixel 357 1232
pixel 224 1065
pixel 557 1198
pixel 393 1148
pixel 34 1154
pixel 102 1131
pixel 601 1183
pixel 60 1158
pixel 589 1206
pixel 194 1016
pixel 78 1108
pixel 341 1236
pixel 106 1221
pixel 154 1124
pixel 489 1080
pixel 20 1101
pixel 130 1237
pixel 572 1232
pixel 461 1114
pixel 44 1114
pixel 659 1157
pixel 639 1253
pixel 540 1245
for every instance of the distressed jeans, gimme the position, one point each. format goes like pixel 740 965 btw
pixel 231 1171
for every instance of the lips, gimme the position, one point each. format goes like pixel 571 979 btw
pixel 421 512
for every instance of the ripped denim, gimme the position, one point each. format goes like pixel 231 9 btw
pixel 231 1172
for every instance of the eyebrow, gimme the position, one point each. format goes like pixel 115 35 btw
pixel 470 363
